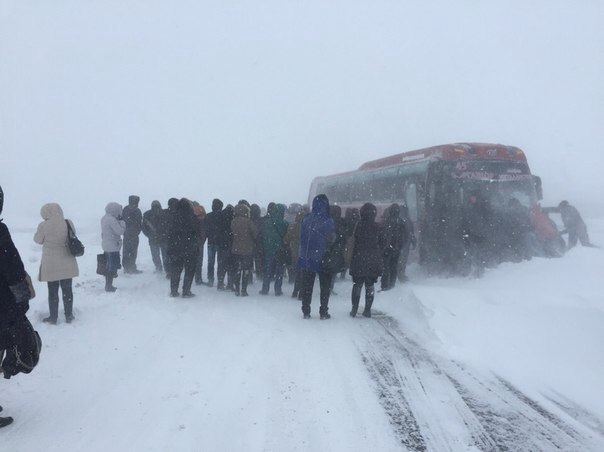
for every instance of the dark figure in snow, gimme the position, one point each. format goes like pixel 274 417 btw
pixel 200 214
pixel 134 219
pixel 256 217
pixel 475 228
pixel 335 260
pixel 164 230
pixel 112 229
pixel 217 231
pixel 245 234
pixel 574 225
pixel 151 227
pixel 410 243
pixel 292 239
pixel 395 238
pixel 183 247
pixel 272 232
pixel 229 261
pixel 367 262
pixel 15 293
pixel 58 266
pixel 351 217
pixel 317 234
pixel 290 217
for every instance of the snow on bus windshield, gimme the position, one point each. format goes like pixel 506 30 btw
pixel 497 182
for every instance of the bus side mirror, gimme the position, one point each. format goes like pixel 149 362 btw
pixel 538 187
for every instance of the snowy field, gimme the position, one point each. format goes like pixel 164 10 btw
pixel 511 361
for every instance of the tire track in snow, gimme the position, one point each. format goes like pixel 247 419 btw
pixel 434 404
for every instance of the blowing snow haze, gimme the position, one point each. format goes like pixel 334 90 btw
pixel 254 99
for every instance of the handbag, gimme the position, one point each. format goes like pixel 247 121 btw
pixel 76 248
pixel 23 352
pixel 101 264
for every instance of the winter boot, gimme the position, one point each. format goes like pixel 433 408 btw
pixel 356 296
pixel 53 308
pixel 368 301
pixel 68 306
pixel 4 421
pixel 109 284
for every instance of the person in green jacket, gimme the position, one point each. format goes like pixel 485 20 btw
pixel 272 230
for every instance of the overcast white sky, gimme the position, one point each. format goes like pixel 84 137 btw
pixel 252 99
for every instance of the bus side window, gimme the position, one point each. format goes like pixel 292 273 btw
pixel 411 199
pixel 341 192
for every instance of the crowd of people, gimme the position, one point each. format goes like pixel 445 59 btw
pixel 242 246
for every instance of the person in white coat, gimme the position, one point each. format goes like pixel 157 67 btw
pixel 112 230
pixel 58 267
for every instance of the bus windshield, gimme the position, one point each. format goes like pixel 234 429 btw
pixel 496 182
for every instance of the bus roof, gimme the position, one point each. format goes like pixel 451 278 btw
pixel 456 151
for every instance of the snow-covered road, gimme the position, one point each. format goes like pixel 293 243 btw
pixel 509 362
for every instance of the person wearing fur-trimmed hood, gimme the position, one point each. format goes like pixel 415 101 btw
pixel 58 266
pixel 112 230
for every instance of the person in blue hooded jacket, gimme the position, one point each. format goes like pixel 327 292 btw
pixel 317 234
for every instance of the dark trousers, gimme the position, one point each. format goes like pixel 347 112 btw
pixel 212 251
pixel 258 263
pixel 357 287
pixel 158 254
pixel 578 234
pixel 223 257
pixel 308 283
pixel 112 265
pixel 53 298
pixel 243 269
pixel 130 253
pixel 402 262
pixel 199 265
pixel 297 283
pixel 177 263
pixel 390 269
pixel 273 269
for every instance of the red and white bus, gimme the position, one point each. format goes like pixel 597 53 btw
pixel 434 183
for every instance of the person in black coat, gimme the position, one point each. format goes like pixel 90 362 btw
pixel 151 227
pixel 224 251
pixel 256 217
pixel 367 264
pixel 183 247
pixel 164 230
pixel 410 243
pixel 395 236
pixel 214 225
pixel 15 293
pixel 133 217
